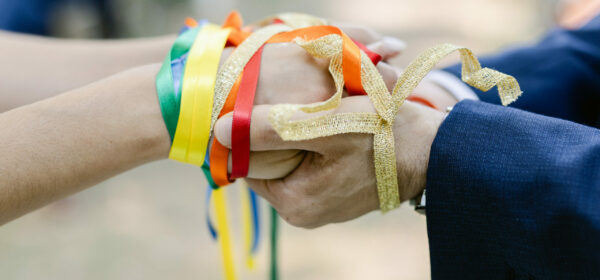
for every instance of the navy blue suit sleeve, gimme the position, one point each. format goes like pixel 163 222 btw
pixel 513 195
pixel 559 76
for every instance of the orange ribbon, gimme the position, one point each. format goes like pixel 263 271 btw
pixel 219 154
pixel 350 52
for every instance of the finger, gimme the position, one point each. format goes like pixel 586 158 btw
pixel 389 73
pixel 272 164
pixel 286 194
pixel 387 47
pixel 360 33
pixel 263 136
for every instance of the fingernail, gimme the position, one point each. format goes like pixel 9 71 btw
pixel 393 43
pixel 223 130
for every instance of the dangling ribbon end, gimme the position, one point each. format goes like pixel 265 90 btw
pixel 510 96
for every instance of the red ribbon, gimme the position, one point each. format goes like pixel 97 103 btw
pixel 373 56
pixel 242 113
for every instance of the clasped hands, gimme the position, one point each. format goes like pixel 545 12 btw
pixel 331 179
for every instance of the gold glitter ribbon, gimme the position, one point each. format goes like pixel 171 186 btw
pixel 379 124
pixel 233 66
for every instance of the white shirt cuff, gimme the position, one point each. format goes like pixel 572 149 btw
pixel 451 84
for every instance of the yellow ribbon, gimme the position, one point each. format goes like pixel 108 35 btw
pixel 193 129
pixel 220 198
pixel 247 223
pixel 194 125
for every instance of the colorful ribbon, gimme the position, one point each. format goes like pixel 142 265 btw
pixel 193 126
pixel 220 197
pixel 168 97
pixel 242 112
pixel 251 223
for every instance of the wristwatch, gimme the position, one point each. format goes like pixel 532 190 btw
pixel 419 202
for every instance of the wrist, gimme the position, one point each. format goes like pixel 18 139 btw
pixel 415 129
pixel 147 124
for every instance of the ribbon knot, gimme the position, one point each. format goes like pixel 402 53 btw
pixel 379 124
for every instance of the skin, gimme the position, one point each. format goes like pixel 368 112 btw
pixel 56 147
pixel 35 68
pixel 61 145
pixel 335 181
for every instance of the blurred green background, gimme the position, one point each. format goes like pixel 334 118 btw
pixel 149 223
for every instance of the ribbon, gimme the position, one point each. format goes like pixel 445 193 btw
pixel 224 233
pixel 422 100
pixel 273 272
pixel 193 127
pixel 242 112
pixel 219 154
pixel 373 56
pixel 238 34
pixel 168 97
pixel 250 224
pixel 351 52
pixel 254 202
pixel 209 224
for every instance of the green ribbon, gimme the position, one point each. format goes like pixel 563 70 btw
pixel 274 275
pixel 170 100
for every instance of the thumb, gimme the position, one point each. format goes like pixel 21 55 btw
pixel 263 136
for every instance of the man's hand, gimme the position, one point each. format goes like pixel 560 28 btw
pixel 335 181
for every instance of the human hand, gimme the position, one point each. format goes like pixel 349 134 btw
pixel 288 74
pixel 335 181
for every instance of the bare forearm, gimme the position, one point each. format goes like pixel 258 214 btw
pixel 34 68
pixel 59 146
